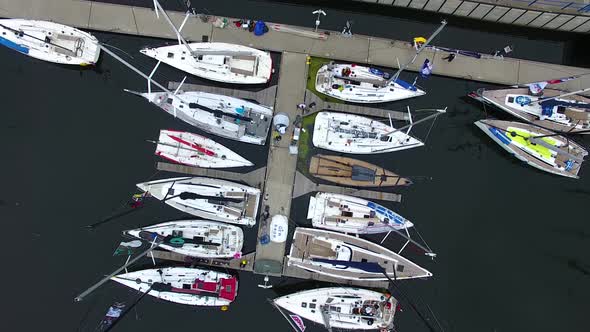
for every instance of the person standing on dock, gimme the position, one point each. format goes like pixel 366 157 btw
pixel 450 57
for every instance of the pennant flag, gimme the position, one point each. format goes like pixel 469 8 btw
pixel 110 317
pixel 298 322
pixel 127 248
pixel 426 69
pixel 537 87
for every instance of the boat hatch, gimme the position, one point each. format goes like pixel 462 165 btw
pixel 303 304
pixel 399 268
pixel 170 55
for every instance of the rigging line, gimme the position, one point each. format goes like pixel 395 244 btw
pixel 407 299
pixel 119 49
pixel 429 129
pixel 422 239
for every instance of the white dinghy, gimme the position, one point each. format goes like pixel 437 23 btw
pixel 347 257
pixel 190 286
pixel 221 62
pixel 225 116
pixel 196 150
pixel 342 307
pixel 50 41
pixel 357 134
pixel 353 215
pixel 194 238
pixel 209 198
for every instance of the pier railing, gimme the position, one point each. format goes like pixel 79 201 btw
pixel 561 15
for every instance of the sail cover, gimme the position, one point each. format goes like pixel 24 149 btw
pixel 370 267
pixel 548 105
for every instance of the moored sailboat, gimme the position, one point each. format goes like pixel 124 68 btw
pixel 538 147
pixel 50 41
pixel 353 215
pixel 209 198
pixel 196 150
pixel 194 238
pixel 342 307
pixel 353 172
pixel 357 134
pixel 222 62
pixel 550 108
pixel 225 116
pixel 190 286
pixel 347 257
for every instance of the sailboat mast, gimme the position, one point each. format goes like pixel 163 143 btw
pixel 438 112
pixel 180 38
pixel 405 65
pixel 560 96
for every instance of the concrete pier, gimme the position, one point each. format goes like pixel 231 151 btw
pixel 358 48
pixel 281 166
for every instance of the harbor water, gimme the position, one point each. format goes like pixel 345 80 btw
pixel 512 242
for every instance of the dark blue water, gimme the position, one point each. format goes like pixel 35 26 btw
pixel 512 242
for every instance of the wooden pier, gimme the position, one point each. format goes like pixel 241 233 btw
pixel 303 186
pixel 254 178
pixel 265 97
pixel 321 105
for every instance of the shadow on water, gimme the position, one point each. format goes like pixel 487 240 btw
pixel 572 263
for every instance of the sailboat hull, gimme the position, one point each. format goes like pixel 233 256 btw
pixel 358 84
pixel 566 120
pixel 49 41
pixel 208 198
pixel 515 138
pixel 240 64
pixel 348 308
pixel 356 134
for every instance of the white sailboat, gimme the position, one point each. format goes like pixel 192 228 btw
pixel 209 198
pixel 357 134
pixel 194 238
pixel 536 146
pixel 342 307
pixel 221 62
pixel 347 257
pixel 225 116
pixel 360 84
pixel 196 150
pixel 352 215
pixel 550 108
pixel 190 286
pixel 50 41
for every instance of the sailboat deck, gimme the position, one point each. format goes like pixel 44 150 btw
pixel 306 245
pixel 340 170
pixel 498 98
